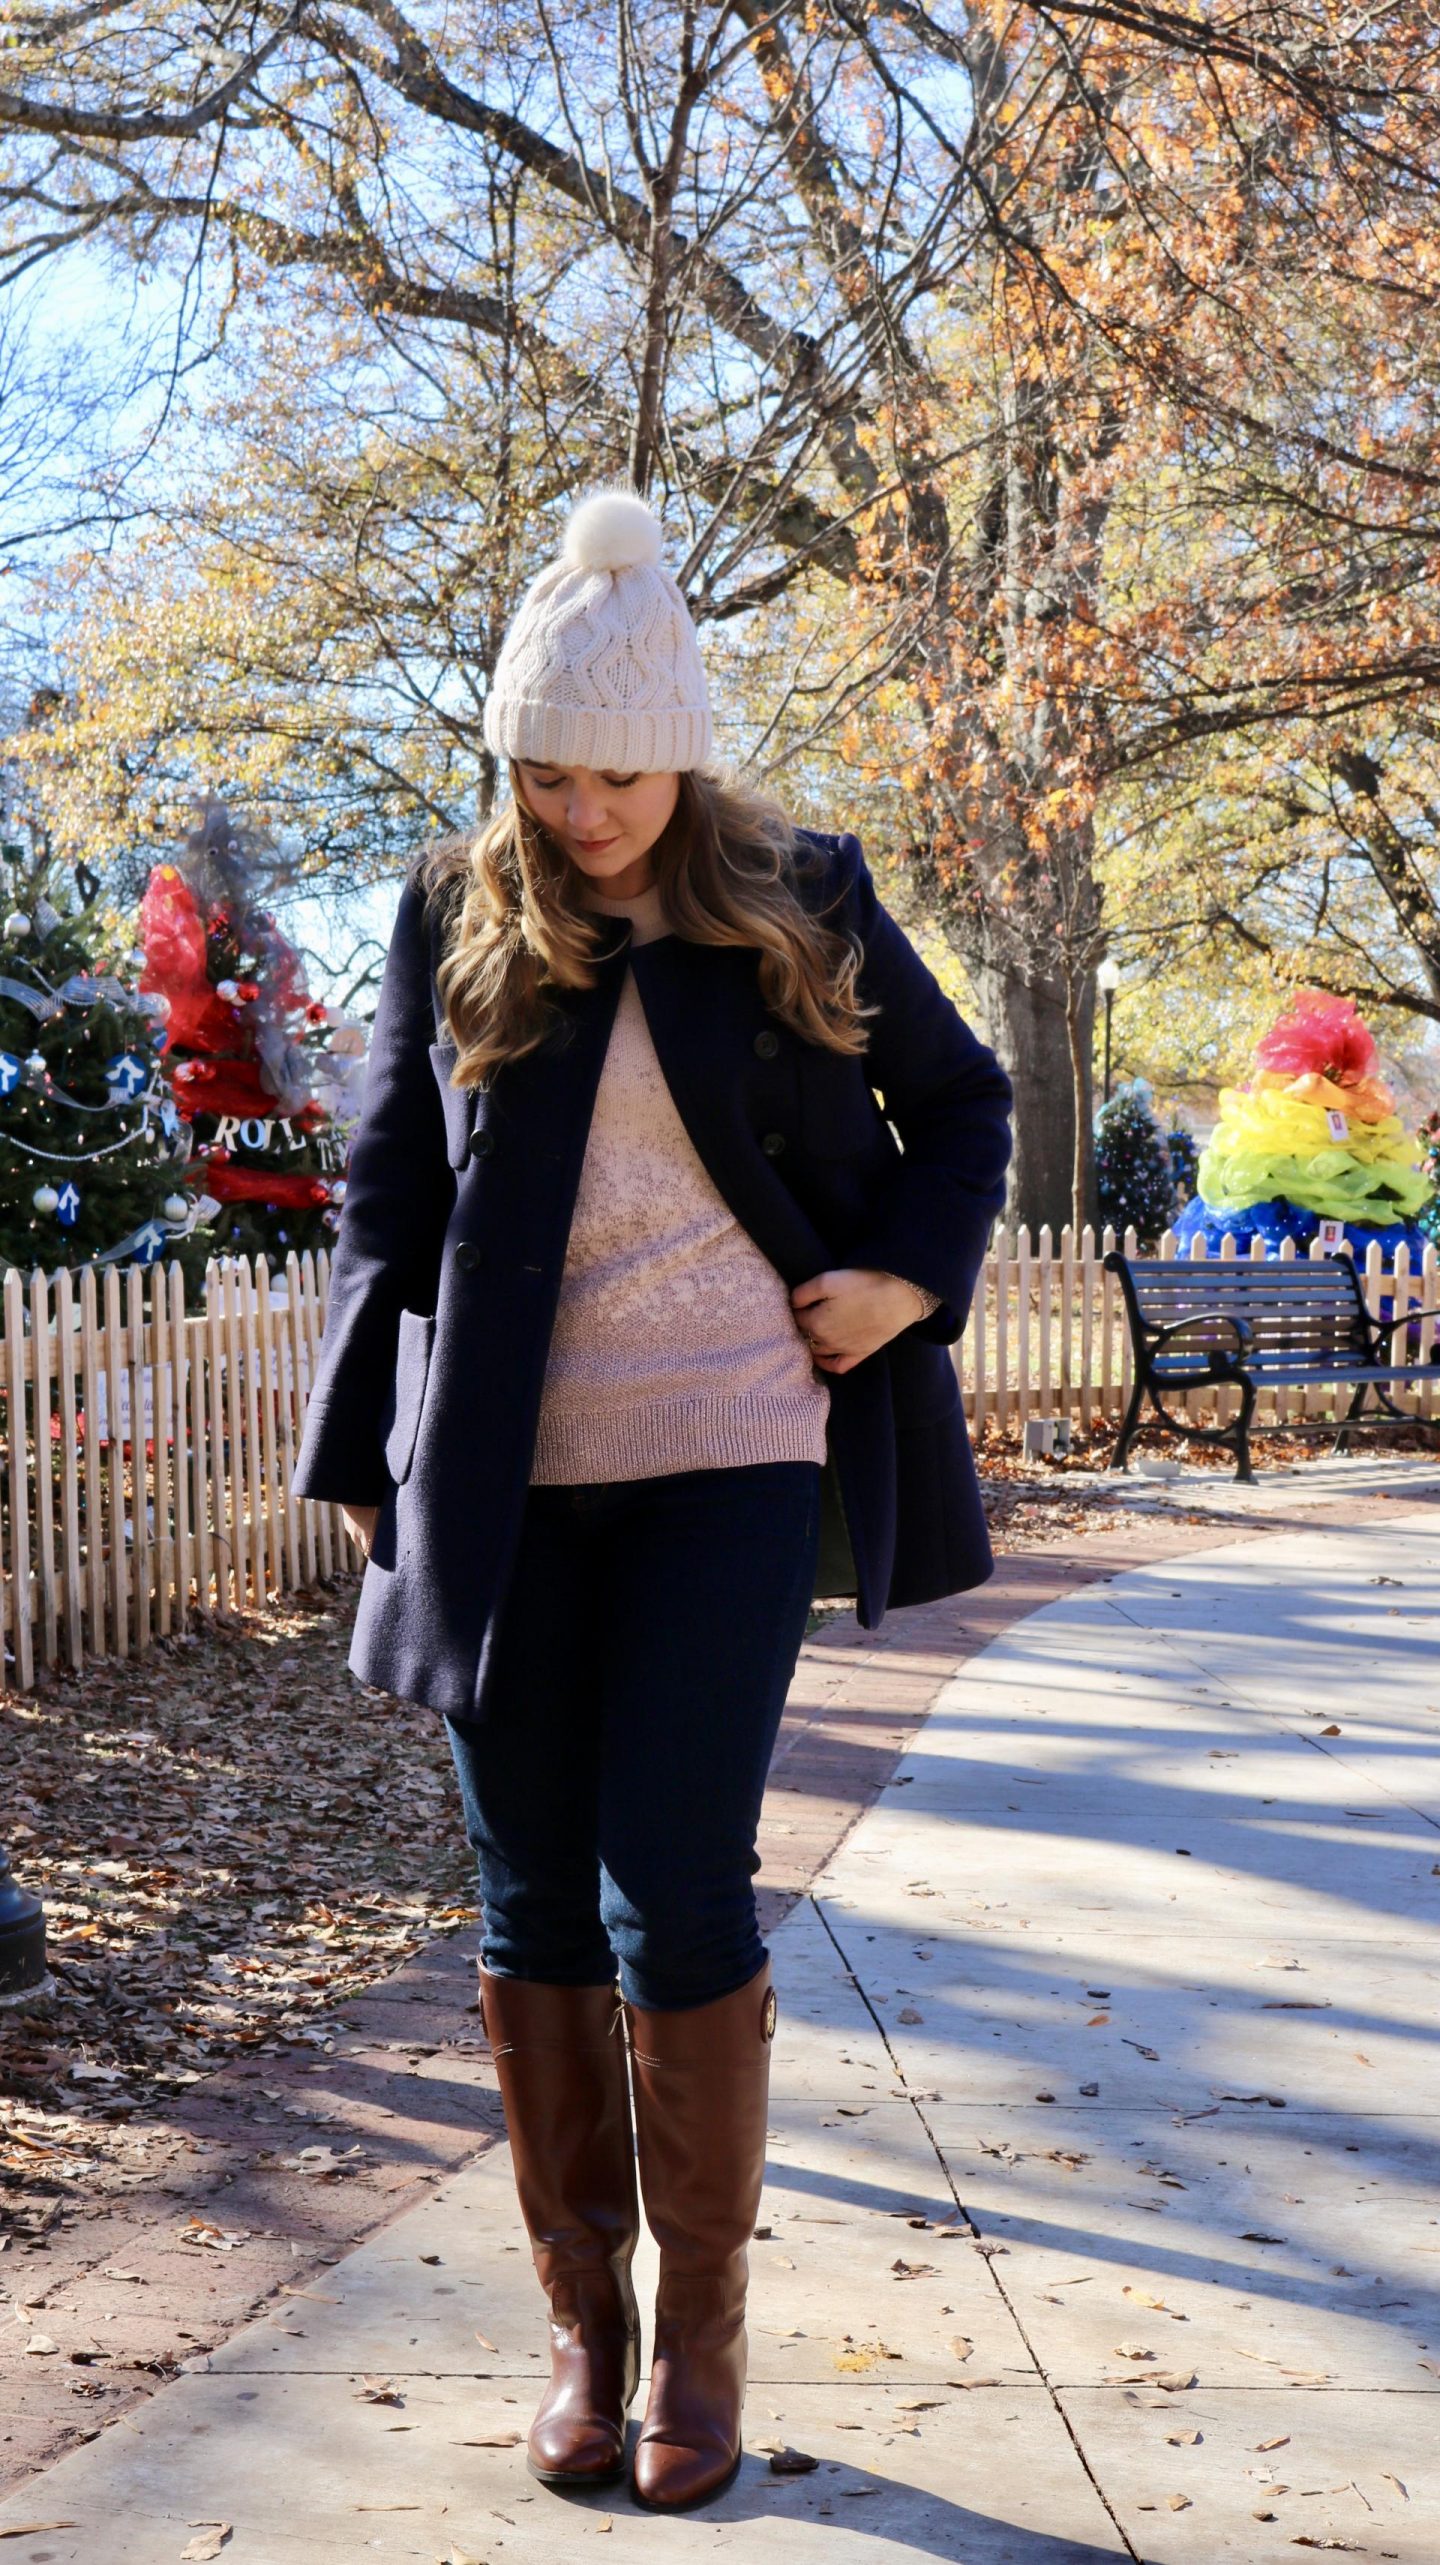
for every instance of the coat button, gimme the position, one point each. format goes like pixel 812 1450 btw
pixel 468 1256
pixel 482 1144
pixel 767 1045
pixel 773 1144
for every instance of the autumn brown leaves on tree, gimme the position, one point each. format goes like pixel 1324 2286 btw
pixel 1040 397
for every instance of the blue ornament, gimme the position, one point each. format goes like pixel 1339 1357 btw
pixel 126 1074
pixel 67 1205
pixel 11 1072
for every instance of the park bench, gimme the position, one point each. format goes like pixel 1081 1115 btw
pixel 1250 1327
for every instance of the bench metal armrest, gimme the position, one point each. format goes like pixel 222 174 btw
pixel 1244 1333
pixel 1407 1318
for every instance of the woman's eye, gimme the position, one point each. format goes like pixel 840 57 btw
pixel 618 783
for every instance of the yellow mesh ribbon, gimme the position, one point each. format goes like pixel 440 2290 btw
pixel 1273 1138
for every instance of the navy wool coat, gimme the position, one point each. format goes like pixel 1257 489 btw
pixel 451 1246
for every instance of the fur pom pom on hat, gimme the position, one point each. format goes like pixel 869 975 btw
pixel 601 666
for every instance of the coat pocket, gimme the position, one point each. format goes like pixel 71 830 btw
pixel 923 1382
pixel 412 1369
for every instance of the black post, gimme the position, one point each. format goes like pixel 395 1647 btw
pixel 1109 1002
pixel 22 1938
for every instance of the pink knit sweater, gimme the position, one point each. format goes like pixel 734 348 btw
pixel 674 1345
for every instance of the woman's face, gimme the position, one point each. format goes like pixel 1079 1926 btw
pixel 607 823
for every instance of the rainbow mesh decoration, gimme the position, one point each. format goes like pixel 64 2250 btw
pixel 1314 1136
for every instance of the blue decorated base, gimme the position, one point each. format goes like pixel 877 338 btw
pixel 1276 1221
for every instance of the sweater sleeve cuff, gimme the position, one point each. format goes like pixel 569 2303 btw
pixel 927 1301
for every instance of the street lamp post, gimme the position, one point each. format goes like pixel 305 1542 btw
pixel 1107 981
pixel 22 1939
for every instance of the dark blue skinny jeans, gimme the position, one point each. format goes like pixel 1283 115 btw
pixel 613 1772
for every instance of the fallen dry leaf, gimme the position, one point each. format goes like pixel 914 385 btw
pixel 1183 2439
pixel 485 2342
pixel 907 2013
pixel 218 2239
pixel 853 2356
pixel 1400 2489
pixel 1280 2441
pixel 214 2536
pixel 792 2462
pixel 959 2346
pixel 489 2440
pixel 378 2391
pixel 1143 2298
pixel 1178 2502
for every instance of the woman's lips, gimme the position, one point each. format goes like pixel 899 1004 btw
pixel 595 845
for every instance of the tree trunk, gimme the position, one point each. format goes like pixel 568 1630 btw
pixel 1080 1034
pixel 1025 1022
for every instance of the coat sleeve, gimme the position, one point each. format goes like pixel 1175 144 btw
pixel 948 1099
pixel 398 1195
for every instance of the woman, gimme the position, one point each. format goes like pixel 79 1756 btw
pixel 635 1341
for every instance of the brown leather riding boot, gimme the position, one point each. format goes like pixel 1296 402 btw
pixel 702 2081
pixel 559 2053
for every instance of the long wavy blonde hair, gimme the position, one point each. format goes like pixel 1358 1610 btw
pixel 727 866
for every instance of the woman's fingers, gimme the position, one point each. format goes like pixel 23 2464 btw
pixel 806 1294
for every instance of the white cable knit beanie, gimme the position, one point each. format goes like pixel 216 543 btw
pixel 601 666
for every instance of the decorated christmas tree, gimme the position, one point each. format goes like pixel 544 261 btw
pixel 1311 1146
pixel 266 1079
pixel 91 1147
pixel 1133 1173
pixel 1184 1160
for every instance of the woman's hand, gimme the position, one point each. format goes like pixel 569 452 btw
pixel 851 1313
pixel 360 1521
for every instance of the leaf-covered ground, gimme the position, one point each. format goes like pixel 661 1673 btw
pixel 230 1838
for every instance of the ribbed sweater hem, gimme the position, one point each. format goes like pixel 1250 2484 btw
pixel 576 1447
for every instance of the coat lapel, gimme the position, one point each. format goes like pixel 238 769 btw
pixel 703 1006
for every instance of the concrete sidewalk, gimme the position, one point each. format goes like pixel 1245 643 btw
pixel 1101 2219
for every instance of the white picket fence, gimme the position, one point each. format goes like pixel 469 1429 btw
pixel 1048 1338
pixel 110 1539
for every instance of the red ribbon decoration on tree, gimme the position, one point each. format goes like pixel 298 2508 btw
pixel 225 1182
